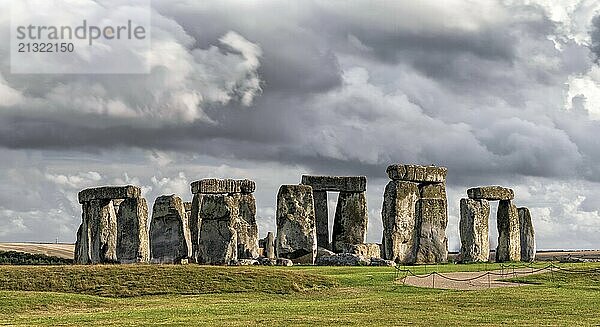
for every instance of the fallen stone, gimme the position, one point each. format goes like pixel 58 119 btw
pixel 109 193
pixel 509 235
pixel 223 186
pixel 342 259
pixel 270 245
pixel 321 218
pixel 336 183
pixel 284 262
pixel 351 220
pixel 399 217
pixel 218 242
pixel 267 261
pixel 296 232
pixel 133 245
pixel 491 193
pixel 417 173
pixel 169 231
pixel 367 250
pixel 323 252
pixel 432 243
pixel 474 230
pixel 527 235
pixel 247 229
pixel 244 262
pixel 381 262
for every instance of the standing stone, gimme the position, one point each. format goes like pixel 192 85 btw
pixel 322 218
pixel 351 218
pixel 102 224
pixel 270 246
pixel 82 245
pixel 195 222
pixel 132 231
pixel 509 235
pixel 169 231
pixel 399 217
pixel 296 231
pixel 474 230
pixel 218 244
pixel 527 235
pixel 247 229
pixel 432 220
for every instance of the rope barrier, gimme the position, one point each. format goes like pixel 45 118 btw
pixel 551 267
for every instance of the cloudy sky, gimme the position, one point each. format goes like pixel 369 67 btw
pixel 500 92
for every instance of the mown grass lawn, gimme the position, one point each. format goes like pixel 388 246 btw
pixel 315 296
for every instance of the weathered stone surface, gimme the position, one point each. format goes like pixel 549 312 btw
pixel 244 262
pixel 367 250
pixel 218 242
pixel 247 229
pixel 336 183
pixel 223 186
pixel 509 235
pixel 187 206
pixel 491 193
pixel 296 230
pixel 417 173
pixel 323 252
pixel 270 245
pixel 381 262
pixel 194 222
pixel 474 230
pixel 109 193
pixel 432 220
pixel 284 262
pixel 399 218
pixel 97 235
pixel 267 261
pixel 169 231
pixel 351 219
pixel 133 243
pixel 527 235
pixel 342 259
pixel 322 218
pixel 433 191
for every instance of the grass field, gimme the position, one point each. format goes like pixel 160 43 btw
pixel 242 296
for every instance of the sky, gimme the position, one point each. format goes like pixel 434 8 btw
pixel 500 92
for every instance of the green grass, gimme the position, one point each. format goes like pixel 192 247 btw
pixel 357 296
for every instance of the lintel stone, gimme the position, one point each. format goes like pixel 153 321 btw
pixel 109 193
pixel 336 183
pixel 223 186
pixel 417 173
pixel 491 193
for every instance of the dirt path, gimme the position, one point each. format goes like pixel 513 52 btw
pixel 480 279
pixel 58 250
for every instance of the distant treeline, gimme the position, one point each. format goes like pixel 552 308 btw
pixel 22 258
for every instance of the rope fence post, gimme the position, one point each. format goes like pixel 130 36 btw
pixel 433 280
pixel 489 280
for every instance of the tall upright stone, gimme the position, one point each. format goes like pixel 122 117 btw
pixel 247 229
pixel 218 243
pixel 322 218
pixel 432 220
pixel 169 231
pixel 527 235
pixel 195 223
pixel 270 246
pixel 399 217
pixel 474 230
pixel 351 219
pixel 133 243
pixel 296 230
pixel 102 221
pixel 509 234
